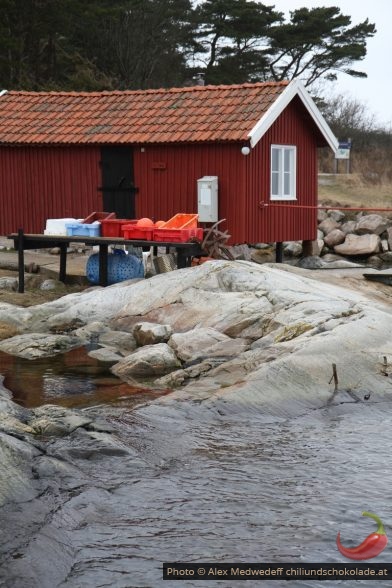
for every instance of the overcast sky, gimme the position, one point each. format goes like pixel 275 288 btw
pixel 375 90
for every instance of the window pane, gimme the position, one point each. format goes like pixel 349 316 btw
pixel 275 155
pixel 275 183
pixel 287 159
pixel 287 183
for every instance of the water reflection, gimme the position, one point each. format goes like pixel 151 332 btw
pixel 72 379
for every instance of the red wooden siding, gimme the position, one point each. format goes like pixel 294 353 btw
pixel 167 181
pixel 167 175
pixel 37 183
pixel 293 127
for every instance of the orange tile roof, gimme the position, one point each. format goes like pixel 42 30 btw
pixel 192 114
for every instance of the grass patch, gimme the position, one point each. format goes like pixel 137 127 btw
pixel 352 190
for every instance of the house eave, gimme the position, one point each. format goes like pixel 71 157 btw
pixel 295 88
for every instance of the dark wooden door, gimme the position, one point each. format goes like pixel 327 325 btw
pixel 118 187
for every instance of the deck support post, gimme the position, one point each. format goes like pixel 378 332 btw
pixel 103 264
pixel 279 252
pixel 307 248
pixel 21 281
pixel 63 262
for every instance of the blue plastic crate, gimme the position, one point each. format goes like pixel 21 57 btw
pixel 83 230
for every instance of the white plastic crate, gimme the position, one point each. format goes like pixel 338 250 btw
pixel 57 226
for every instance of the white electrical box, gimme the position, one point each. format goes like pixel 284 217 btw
pixel 207 199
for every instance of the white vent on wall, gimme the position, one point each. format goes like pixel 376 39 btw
pixel 207 199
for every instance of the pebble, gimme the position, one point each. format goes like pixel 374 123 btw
pixel 49 285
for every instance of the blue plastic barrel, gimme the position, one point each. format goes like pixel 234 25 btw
pixel 120 267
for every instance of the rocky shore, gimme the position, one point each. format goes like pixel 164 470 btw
pixel 357 237
pixel 227 338
pixel 210 322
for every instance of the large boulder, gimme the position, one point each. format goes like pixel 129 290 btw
pixel 335 237
pixel 147 362
pixel 359 245
pixel 328 225
pixel 371 223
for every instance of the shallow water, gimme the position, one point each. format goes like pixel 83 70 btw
pixel 72 379
pixel 250 492
pixel 195 486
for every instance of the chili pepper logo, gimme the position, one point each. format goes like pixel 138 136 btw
pixel 372 546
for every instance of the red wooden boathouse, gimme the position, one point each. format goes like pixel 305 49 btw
pixel 140 153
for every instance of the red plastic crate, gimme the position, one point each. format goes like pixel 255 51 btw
pixel 112 227
pixel 177 235
pixel 181 221
pixel 131 231
pixel 98 216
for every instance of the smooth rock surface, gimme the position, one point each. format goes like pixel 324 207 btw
pixel 196 342
pixel 73 500
pixel 31 346
pixel 105 355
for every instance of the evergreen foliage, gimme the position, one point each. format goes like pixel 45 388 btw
pixel 129 44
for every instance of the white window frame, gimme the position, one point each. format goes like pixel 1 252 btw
pixel 280 173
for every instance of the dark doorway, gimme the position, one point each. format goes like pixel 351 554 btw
pixel 118 188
